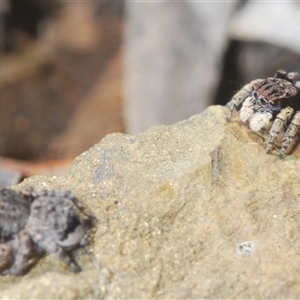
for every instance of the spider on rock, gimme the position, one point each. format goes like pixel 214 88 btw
pixel 35 222
pixel 274 100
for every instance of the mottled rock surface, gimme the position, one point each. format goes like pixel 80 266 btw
pixel 192 210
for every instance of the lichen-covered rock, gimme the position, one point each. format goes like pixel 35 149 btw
pixel 192 210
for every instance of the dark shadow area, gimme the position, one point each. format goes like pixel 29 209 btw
pixel 245 61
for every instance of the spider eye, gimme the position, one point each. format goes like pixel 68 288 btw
pixel 262 101
pixel 272 103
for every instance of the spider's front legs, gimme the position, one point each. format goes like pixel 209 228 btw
pixel 21 247
pixel 6 256
pixel 278 126
pixel 52 247
pixel 239 98
pixel 290 134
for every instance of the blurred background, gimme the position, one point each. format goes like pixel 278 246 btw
pixel 72 72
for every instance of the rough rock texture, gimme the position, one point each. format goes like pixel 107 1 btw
pixel 192 210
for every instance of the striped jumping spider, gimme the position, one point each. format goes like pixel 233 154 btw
pixel 274 100
pixel 35 222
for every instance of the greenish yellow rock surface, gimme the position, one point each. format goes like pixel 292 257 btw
pixel 192 210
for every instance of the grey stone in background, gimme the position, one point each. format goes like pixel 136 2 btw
pixel 173 57
pixel 269 43
pixel 193 210
pixel 281 27
pixel 200 50
pixel 9 177
pixel 260 45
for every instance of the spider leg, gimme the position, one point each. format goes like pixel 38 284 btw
pixel 45 243
pixel 293 77
pixel 281 74
pixel 247 109
pixel 290 134
pixel 22 246
pixel 6 256
pixel 52 247
pixel 238 99
pixel 260 120
pixel 68 260
pixel 278 126
pixel 91 218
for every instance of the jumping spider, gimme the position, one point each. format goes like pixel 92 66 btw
pixel 37 222
pixel 274 99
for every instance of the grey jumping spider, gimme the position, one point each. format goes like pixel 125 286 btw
pixel 274 99
pixel 35 222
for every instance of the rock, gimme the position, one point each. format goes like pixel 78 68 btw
pixel 192 210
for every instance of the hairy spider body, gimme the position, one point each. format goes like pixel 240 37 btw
pixel 54 225
pixel 273 100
